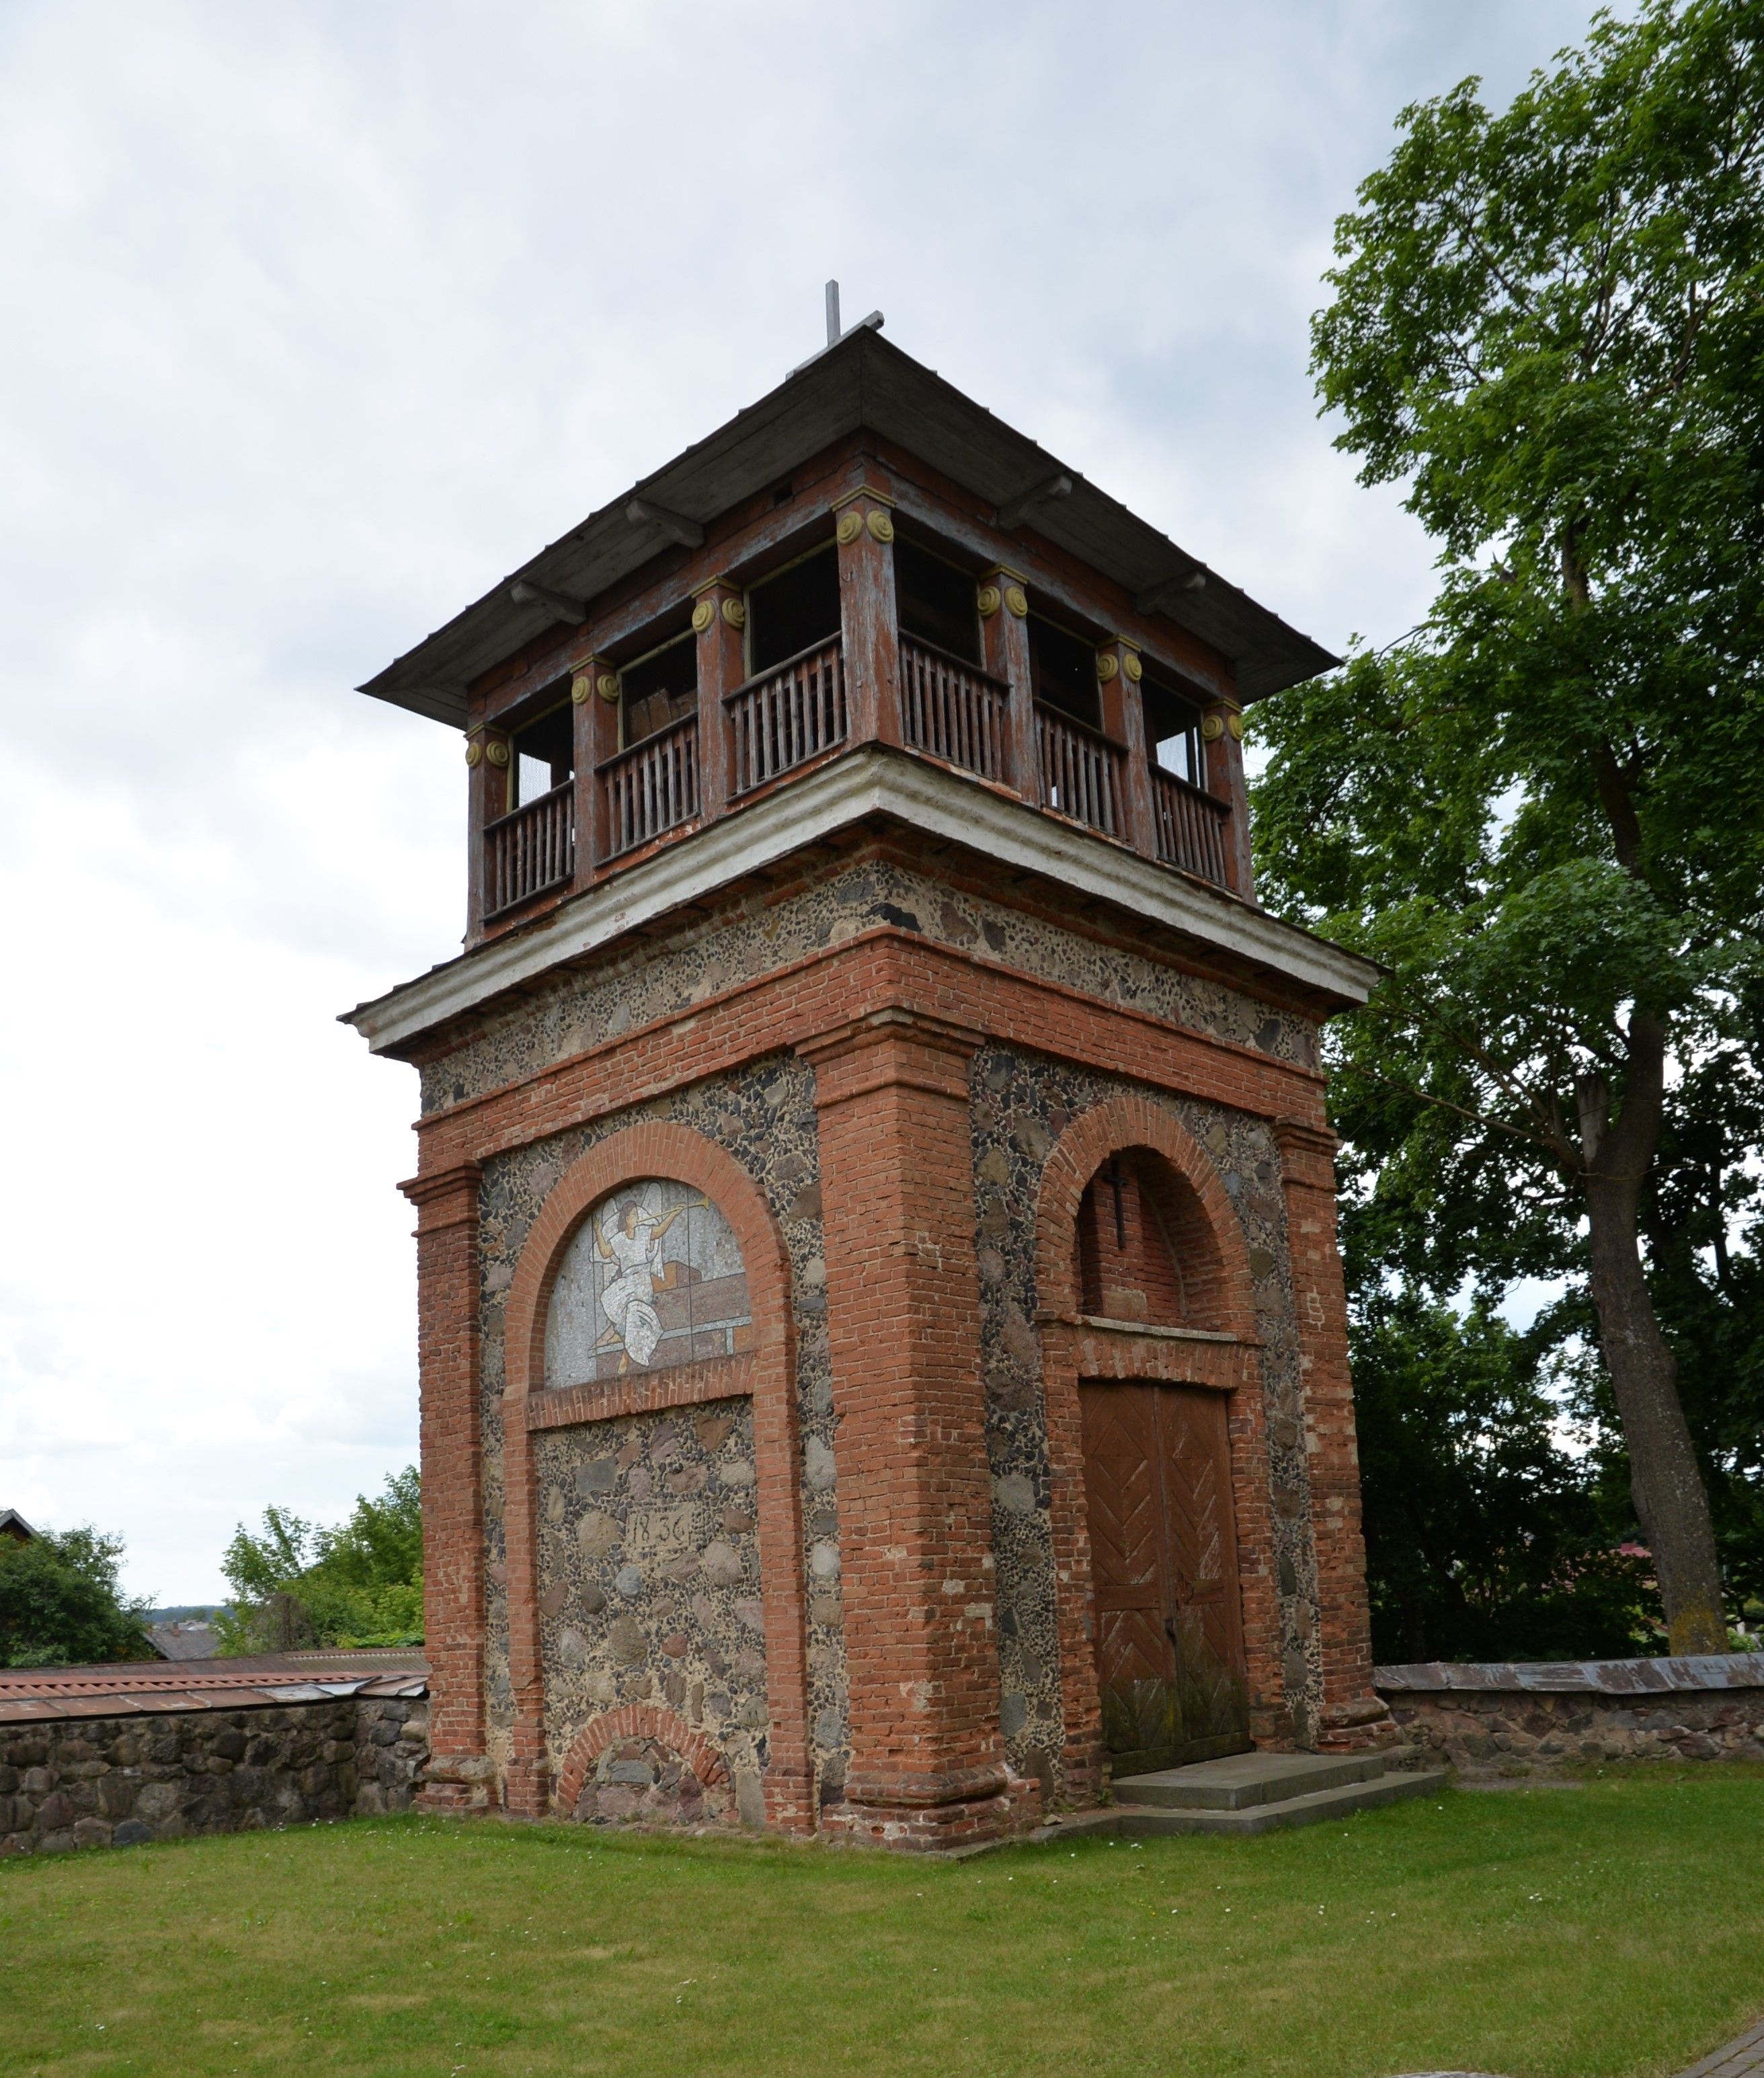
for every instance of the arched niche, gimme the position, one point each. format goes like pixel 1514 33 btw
pixel 1146 1249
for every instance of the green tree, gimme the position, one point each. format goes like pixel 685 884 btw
pixel 357 1584
pixel 61 1602
pixel 1544 811
pixel 1486 1538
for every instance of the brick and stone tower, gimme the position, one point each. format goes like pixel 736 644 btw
pixel 882 1348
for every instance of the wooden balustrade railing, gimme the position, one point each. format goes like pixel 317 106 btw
pixel 785 716
pixel 529 849
pixel 952 711
pixel 652 787
pixel 1190 826
pixel 1081 771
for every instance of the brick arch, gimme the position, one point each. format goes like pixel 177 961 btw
pixel 1120 1122
pixel 635 1721
pixel 1110 1127
pixel 662 1149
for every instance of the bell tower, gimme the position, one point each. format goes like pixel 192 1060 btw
pixel 883 1352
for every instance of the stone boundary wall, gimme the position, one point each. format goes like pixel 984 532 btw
pixel 1517 1720
pixel 99 1782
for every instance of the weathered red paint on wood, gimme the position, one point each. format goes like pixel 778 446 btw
pixel 1163 1544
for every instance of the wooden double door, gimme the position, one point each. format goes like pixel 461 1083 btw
pixel 1170 1653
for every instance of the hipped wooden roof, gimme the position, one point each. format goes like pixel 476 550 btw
pixel 863 382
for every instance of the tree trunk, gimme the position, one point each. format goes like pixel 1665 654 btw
pixel 1664 1479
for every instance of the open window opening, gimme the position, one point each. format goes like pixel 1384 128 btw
pixel 796 610
pixel 544 755
pixel 1173 732
pixel 936 602
pixel 658 689
pixel 1063 667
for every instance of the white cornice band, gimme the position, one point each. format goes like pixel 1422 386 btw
pixel 865 781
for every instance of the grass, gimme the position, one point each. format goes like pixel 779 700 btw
pixel 1612 1929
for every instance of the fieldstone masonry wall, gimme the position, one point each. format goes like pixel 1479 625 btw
pixel 1494 1721
pixel 647 1552
pixel 99 1782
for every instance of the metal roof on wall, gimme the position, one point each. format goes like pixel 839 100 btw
pixel 32 1695
pixel 863 382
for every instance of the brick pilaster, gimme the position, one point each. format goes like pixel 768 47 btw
pixel 452 1488
pixel 915 1489
pixel 1351 1711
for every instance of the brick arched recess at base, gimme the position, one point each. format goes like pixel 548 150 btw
pixel 658 1148
pixel 1111 1128
pixel 635 1721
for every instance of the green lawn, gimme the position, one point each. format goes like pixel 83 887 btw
pixel 1584 1933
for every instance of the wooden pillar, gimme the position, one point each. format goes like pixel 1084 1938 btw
pixel 451 1432
pixel 582 712
pixel 915 1489
pixel 1353 1714
pixel 719 618
pixel 1119 672
pixel 864 532
pixel 1004 625
pixel 488 757
pixel 594 689
pixel 1222 731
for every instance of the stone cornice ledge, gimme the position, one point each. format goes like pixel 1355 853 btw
pixel 1576 1677
pixel 866 781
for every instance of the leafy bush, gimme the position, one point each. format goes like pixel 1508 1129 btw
pixel 296 1584
pixel 61 1604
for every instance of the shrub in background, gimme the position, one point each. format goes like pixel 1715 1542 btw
pixel 62 1605
pixel 296 1584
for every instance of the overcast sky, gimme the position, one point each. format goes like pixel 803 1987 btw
pixel 320 318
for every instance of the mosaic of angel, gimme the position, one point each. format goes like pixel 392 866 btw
pixel 653 1277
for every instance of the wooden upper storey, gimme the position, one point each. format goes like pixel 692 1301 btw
pixel 855 594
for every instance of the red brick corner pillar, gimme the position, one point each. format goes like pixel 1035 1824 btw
pixel 453 1486
pixel 1353 1714
pixel 914 1491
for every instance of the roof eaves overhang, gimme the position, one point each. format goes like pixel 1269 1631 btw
pixel 863 382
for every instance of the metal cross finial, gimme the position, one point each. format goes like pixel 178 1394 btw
pixel 836 331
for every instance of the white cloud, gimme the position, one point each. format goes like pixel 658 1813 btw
pixel 322 319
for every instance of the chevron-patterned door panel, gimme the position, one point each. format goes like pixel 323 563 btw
pixel 1163 1557
pixel 1196 1451
pixel 1127 1535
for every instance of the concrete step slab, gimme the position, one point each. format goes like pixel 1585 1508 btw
pixel 1146 1822
pixel 1241 1780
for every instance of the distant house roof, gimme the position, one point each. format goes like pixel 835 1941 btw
pixel 864 382
pixel 13 1525
pixel 188 1639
